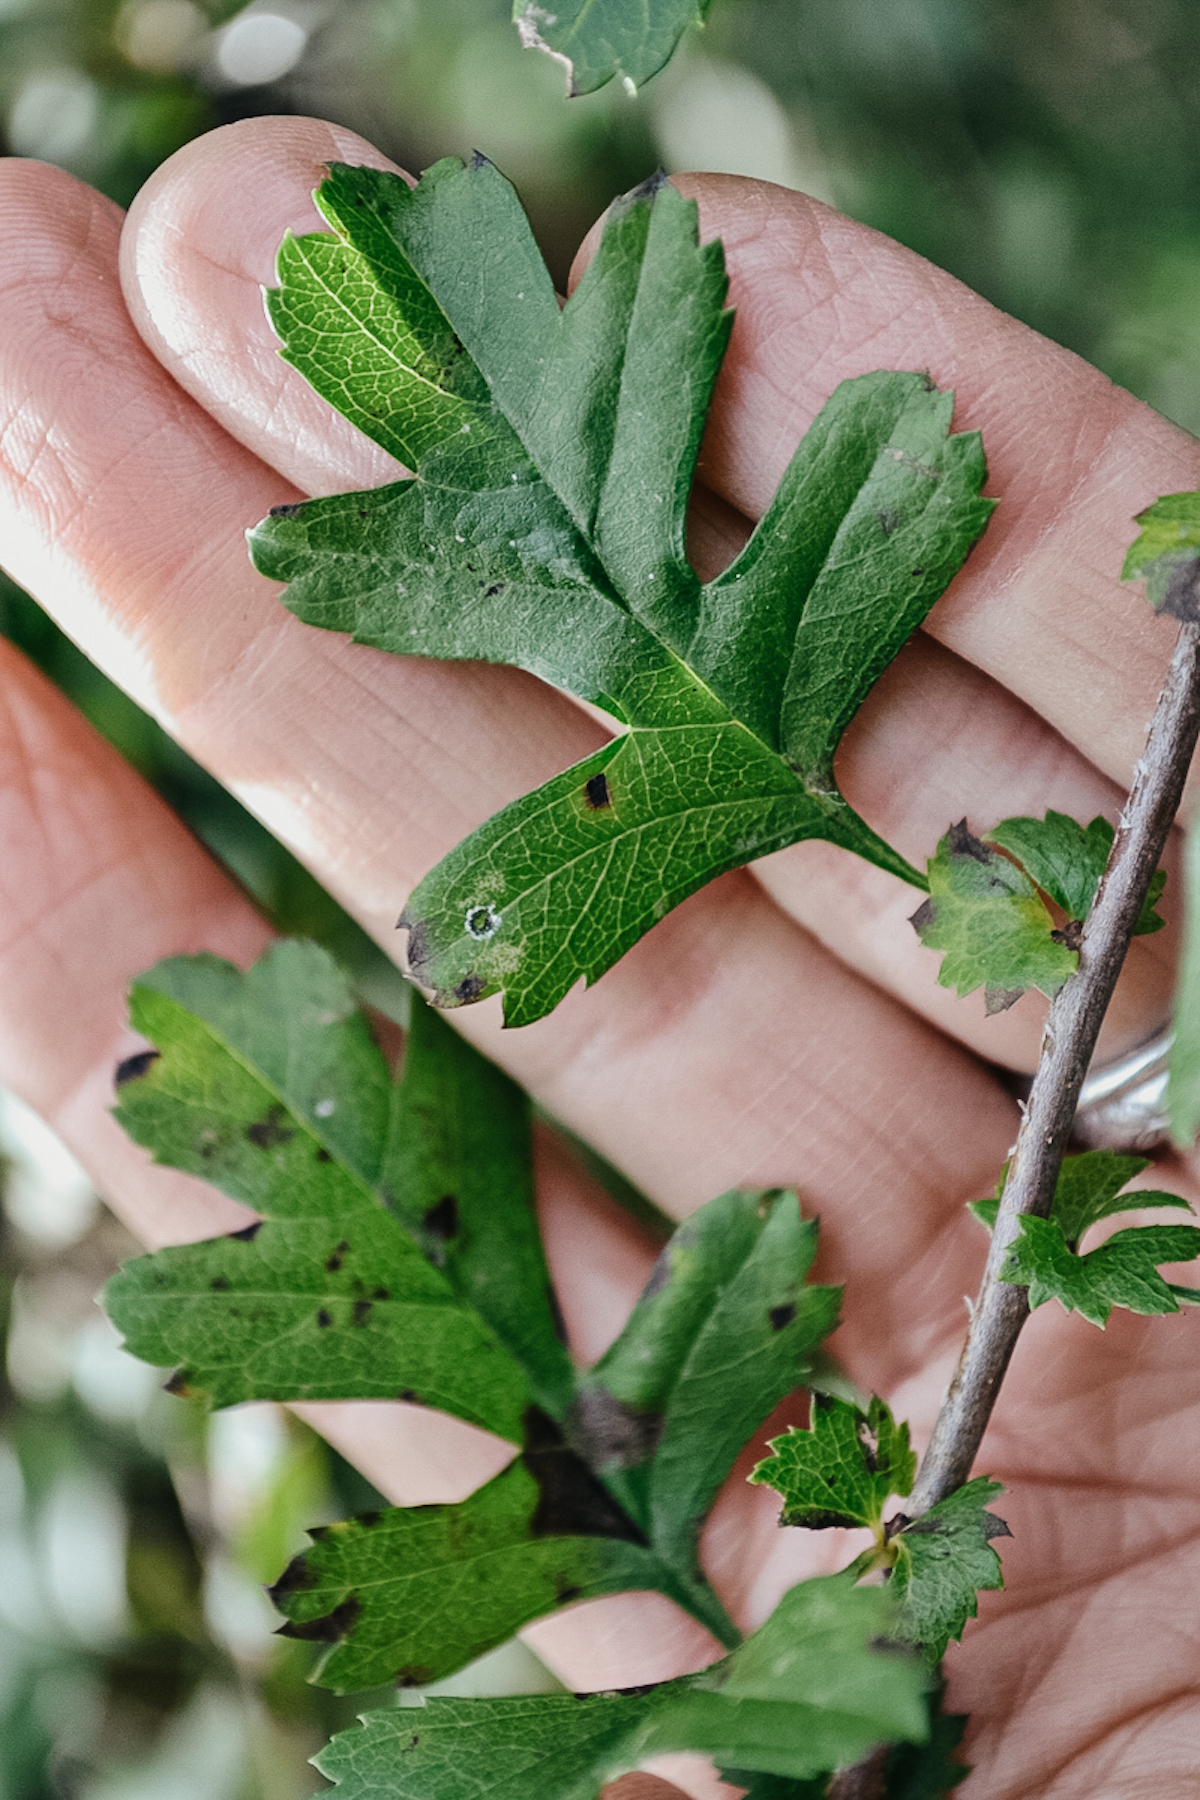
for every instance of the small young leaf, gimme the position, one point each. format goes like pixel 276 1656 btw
pixel 842 1470
pixel 987 918
pixel 1121 1272
pixel 812 1689
pixel 942 1560
pixel 1067 859
pixel 547 530
pixel 412 1593
pixel 1088 1189
pixel 1166 555
pixel 597 39
pixel 725 1328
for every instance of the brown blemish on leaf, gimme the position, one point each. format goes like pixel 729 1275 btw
pixel 332 1629
pixel 418 942
pixel 964 843
pixel 362 1312
pixel 998 1000
pixel 571 1502
pixel 612 1434
pixel 1071 935
pixel 595 792
pixel 413 1675
pixel 469 989
pixel 132 1068
pixel 291 509
pixel 178 1384
pixel 268 1133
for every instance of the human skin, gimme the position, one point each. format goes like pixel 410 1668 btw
pixel 782 1027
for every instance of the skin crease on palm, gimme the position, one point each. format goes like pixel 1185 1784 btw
pixel 783 1026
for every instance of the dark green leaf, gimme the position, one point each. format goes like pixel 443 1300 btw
pixel 811 1689
pixel 411 1593
pixel 547 530
pixel 1166 555
pixel 988 919
pixel 775 1787
pixel 725 1328
pixel 842 1470
pixel 930 1770
pixel 269 1085
pixel 942 1560
pixel 1067 859
pixel 597 39
pixel 1121 1272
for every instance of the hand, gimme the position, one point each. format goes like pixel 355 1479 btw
pixel 784 1026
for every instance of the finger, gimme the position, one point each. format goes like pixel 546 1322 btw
pixel 728 1049
pixel 937 742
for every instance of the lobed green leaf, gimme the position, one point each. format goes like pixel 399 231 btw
pixel 597 39
pixel 1122 1271
pixel 843 1469
pixel 547 530
pixel 942 1560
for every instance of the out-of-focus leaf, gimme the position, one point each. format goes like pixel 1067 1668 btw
pixel 1183 1079
pixel 1166 555
pixel 597 39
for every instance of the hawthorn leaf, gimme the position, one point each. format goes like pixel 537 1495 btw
pixel 842 1470
pixel 1088 1189
pixel 1066 860
pixel 942 1560
pixel 725 1328
pixel 987 918
pixel 546 529
pixel 1166 555
pixel 410 1594
pixel 811 1689
pixel 269 1085
pixel 597 39
pixel 1122 1271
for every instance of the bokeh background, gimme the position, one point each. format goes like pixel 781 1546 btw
pixel 1046 151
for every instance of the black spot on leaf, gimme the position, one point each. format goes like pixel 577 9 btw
pixel 298 1576
pixel 324 1321
pixel 595 792
pixel 369 1520
pixel 497 587
pixel 441 1219
pixel 381 1293
pixel 362 1312
pixel 780 1316
pixel 333 1261
pixel 567 1592
pixel 323 1155
pixel 335 1626
pixel 248 1233
pixel 571 1502
pixel 1071 935
pixel 268 1133
pixel 132 1068
pixel 220 1284
pixel 888 519
pixel 178 1384
pixel 291 509
pixel 413 1675
pixel 468 989
pixel 411 1395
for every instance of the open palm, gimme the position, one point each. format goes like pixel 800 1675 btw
pixel 782 1027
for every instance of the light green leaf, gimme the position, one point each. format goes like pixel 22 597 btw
pixel 725 1328
pixel 1122 1271
pixel 1166 555
pixel 942 1560
pixel 411 1593
pixel 808 1691
pixel 269 1085
pixel 597 39
pixel 987 918
pixel 1067 859
pixel 1088 1190
pixel 547 531
pixel 843 1469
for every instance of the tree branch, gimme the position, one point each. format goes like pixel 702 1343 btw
pixel 1070 1036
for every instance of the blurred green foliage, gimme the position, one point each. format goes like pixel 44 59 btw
pixel 1046 151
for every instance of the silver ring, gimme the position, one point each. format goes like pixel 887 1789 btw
pixel 1122 1106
